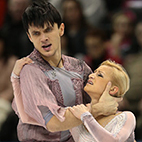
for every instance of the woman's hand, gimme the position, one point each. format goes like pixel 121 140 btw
pixel 19 65
pixel 78 110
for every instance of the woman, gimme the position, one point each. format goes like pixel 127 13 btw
pixel 114 128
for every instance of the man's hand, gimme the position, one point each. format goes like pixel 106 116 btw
pixel 107 104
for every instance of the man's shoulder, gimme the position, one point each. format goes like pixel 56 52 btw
pixel 77 65
pixel 30 69
pixel 72 60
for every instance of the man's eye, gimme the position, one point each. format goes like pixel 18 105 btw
pixel 49 29
pixel 36 33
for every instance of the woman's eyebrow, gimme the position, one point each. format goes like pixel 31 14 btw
pixel 95 70
pixel 102 72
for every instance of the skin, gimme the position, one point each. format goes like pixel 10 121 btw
pixel 95 87
pixel 47 36
pixel 51 37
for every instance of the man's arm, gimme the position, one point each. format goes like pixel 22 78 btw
pixel 70 121
pixel 107 105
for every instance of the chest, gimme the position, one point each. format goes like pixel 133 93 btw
pixel 66 86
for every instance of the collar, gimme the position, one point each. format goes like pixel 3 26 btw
pixel 70 63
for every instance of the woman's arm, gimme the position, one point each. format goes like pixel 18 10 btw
pixel 101 134
pixel 125 128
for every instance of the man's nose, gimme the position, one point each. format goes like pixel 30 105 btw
pixel 44 38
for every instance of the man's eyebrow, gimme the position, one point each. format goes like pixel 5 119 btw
pixel 49 26
pixel 34 31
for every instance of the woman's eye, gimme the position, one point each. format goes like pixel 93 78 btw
pixel 100 75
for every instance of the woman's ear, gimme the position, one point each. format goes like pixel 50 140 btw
pixel 113 90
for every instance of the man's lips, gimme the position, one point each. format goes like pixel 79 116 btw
pixel 46 46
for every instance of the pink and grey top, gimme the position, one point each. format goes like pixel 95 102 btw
pixel 43 91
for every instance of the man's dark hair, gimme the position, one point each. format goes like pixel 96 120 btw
pixel 40 12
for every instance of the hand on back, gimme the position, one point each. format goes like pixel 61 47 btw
pixel 19 65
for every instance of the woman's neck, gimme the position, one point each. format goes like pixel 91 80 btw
pixel 93 101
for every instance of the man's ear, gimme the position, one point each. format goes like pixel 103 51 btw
pixel 29 37
pixel 113 90
pixel 62 27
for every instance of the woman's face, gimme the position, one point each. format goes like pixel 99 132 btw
pixel 98 80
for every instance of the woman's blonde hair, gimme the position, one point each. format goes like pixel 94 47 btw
pixel 120 77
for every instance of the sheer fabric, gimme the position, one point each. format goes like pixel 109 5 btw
pixel 119 129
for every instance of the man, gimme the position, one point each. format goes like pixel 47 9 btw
pixel 52 83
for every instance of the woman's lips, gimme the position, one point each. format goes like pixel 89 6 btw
pixel 90 82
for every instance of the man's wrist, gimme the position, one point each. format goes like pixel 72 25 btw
pixel 96 110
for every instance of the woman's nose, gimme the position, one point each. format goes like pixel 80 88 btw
pixel 92 75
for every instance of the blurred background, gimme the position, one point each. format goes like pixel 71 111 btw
pixel 95 30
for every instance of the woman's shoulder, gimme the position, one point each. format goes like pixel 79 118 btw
pixel 124 115
pixel 121 118
pixel 129 115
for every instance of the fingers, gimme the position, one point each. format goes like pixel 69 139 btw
pixel 23 61
pixel 106 94
pixel 20 63
pixel 89 107
pixel 107 89
pixel 81 106
pixel 26 60
pixel 71 109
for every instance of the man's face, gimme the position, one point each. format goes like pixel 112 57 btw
pixel 47 40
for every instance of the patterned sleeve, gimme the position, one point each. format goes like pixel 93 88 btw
pixel 121 128
pixel 87 72
pixel 32 91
